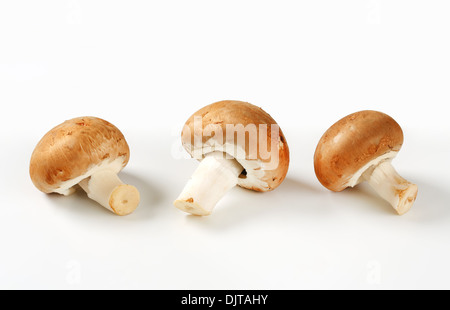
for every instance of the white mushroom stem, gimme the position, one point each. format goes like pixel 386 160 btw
pixel 400 193
pixel 107 189
pixel 214 177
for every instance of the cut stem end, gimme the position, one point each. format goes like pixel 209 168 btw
pixel 214 177
pixel 407 199
pixel 400 193
pixel 124 199
pixel 107 189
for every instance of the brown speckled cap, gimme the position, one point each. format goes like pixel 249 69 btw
pixel 70 149
pixel 353 142
pixel 216 117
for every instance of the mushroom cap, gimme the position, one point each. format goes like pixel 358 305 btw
pixel 262 172
pixel 74 148
pixel 352 143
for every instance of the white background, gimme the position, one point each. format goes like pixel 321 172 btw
pixel 146 66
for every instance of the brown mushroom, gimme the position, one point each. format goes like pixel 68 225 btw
pixel 237 144
pixel 90 152
pixel 360 147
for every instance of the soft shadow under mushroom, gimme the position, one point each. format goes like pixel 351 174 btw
pixel 245 205
pixel 365 198
pixel 80 204
pixel 292 184
pixel 431 204
pixel 77 204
